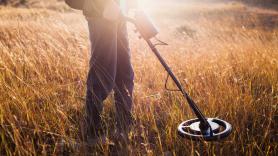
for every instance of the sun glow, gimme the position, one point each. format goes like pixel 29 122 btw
pixel 147 5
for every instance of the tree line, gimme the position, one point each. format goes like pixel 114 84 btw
pixel 260 1
pixel 6 2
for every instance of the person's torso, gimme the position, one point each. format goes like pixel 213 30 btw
pixel 94 8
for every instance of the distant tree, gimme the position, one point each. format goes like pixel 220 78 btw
pixel 5 2
pixel 260 1
pixel 17 2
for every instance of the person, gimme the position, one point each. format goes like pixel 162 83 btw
pixel 110 67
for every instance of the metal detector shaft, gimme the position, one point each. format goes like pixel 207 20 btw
pixel 147 31
pixel 192 104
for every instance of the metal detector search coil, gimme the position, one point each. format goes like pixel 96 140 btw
pixel 190 129
pixel 196 129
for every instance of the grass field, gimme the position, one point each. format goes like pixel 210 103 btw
pixel 225 54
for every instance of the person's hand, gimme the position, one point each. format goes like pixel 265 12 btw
pixel 112 11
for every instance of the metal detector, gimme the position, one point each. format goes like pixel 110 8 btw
pixel 201 128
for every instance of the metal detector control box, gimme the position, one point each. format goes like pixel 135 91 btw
pixel 143 25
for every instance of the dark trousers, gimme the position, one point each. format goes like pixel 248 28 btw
pixel 110 69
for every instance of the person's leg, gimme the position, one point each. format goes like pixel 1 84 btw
pixel 124 81
pixel 102 70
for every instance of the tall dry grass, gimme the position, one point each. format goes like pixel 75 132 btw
pixel 225 55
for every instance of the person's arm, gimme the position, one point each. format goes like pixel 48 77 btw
pixel 112 11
